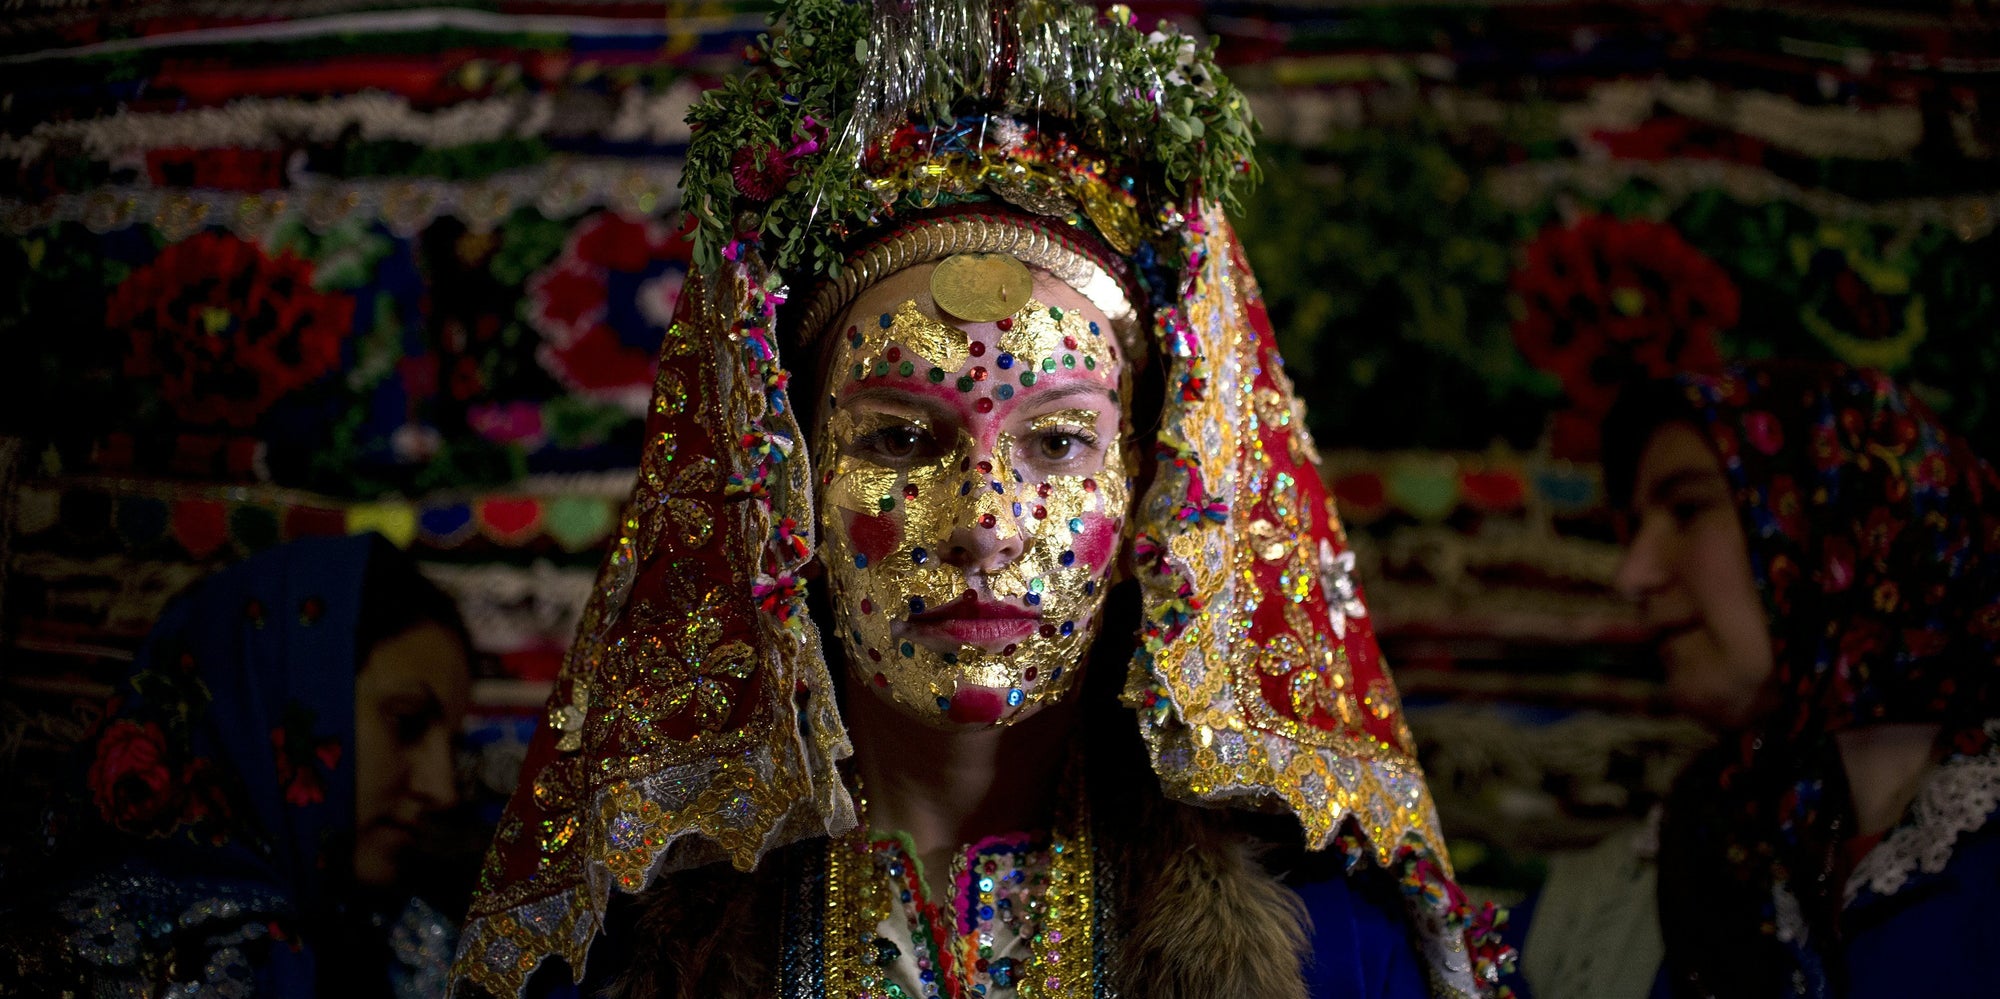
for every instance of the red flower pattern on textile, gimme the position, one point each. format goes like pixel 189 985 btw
pixel 1605 301
pixel 225 329
pixel 131 780
pixel 301 759
pixel 603 305
pixel 206 801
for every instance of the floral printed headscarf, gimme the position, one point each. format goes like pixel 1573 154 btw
pixel 225 772
pixel 1874 536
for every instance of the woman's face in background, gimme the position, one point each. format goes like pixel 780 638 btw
pixel 973 492
pixel 409 704
pixel 1687 565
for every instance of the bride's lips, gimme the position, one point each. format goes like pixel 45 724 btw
pixel 972 621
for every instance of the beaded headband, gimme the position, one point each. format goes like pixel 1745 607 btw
pixel 1056 248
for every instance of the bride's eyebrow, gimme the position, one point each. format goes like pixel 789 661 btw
pixel 1072 391
pixel 893 396
pixel 1064 418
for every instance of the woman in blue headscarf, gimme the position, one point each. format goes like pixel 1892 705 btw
pixel 255 793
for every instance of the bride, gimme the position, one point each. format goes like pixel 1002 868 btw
pixel 980 625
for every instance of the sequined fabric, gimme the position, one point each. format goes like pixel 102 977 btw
pixel 694 718
pixel 132 927
pixel 1259 682
pixel 802 970
pixel 421 943
pixel 1260 679
pixel 1018 917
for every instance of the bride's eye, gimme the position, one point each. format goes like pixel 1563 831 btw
pixel 1063 444
pixel 896 443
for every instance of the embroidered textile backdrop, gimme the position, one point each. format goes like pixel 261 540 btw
pixel 277 270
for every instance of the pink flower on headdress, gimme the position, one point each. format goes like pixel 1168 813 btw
pixel 761 172
pixel 603 306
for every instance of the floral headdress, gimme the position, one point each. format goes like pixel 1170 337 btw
pixel 694 719
pixel 858 118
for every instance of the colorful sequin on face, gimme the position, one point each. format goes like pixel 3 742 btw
pixel 958 488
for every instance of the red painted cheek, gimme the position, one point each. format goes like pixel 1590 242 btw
pixel 1096 541
pixel 874 535
pixel 975 706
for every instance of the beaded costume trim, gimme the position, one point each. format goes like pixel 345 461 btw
pixel 1064 962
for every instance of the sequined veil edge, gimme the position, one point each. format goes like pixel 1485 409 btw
pixel 720 735
pixel 1258 683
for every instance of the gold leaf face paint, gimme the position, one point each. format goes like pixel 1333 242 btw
pixel 1041 334
pixel 940 346
pixel 970 515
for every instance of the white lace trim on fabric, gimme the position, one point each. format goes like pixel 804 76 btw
pixel 1957 798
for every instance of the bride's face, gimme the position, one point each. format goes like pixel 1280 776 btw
pixel 973 491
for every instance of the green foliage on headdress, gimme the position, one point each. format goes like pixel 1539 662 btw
pixel 835 73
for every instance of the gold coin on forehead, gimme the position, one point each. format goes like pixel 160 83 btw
pixel 981 287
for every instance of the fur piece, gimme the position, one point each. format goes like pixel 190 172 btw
pixel 1202 916
pixel 704 934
